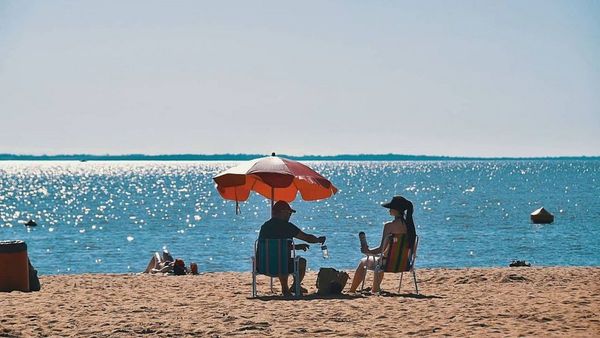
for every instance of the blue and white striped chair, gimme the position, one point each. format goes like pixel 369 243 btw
pixel 272 258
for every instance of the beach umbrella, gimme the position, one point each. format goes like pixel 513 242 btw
pixel 273 177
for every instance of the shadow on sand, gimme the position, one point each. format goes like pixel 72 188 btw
pixel 310 296
pixel 316 296
pixel 408 295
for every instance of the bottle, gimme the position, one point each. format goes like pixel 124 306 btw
pixel 363 242
pixel 325 251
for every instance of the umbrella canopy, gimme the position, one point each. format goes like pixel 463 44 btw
pixel 273 177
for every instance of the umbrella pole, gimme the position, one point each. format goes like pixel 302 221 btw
pixel 237 204
pixel 272 200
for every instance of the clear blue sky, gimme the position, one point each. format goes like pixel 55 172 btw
pixel 473 78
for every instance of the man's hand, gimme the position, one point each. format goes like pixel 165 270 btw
pixel 302 247
pixel 321 239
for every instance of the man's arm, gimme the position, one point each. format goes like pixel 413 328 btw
pixel 301 246
pixel 310 238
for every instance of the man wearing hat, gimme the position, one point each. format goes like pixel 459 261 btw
pixel 280 227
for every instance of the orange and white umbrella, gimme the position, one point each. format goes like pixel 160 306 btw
pixel 273 177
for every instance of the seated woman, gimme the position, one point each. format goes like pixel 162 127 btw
pixel 401 209
pixel 160 264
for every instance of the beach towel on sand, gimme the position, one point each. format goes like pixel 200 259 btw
pixel 330 281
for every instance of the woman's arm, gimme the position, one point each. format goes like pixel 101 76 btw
pixel 379 249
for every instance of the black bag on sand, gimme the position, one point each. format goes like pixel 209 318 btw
pixel 330 281
pixel 34 281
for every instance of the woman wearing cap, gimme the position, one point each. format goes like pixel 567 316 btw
pixel 401 209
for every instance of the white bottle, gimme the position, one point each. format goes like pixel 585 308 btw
pixel 325 251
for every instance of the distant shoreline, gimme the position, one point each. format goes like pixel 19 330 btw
pixel 244 157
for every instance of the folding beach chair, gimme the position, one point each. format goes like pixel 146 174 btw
pixel 272 258
pixel 397 257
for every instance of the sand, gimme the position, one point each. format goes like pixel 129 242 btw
pixel 562 301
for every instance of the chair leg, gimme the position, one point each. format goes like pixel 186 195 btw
pixel 297 278
pixel 415 278
pixel 297 284
pixel 400 284
pixel 272 285
pixel 253 277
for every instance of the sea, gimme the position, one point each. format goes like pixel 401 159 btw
pixel 111 216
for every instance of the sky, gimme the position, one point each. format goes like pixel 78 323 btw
pixel 460 78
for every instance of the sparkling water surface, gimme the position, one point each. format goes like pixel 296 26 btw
pixel 111 216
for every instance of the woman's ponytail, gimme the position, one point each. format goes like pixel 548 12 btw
pixel 405 208
pixel 410 224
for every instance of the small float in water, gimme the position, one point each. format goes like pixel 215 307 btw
pixel 30 223
pixel 542 216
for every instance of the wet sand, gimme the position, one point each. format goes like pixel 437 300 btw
pixel 552 301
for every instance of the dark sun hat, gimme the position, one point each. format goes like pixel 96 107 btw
pixel 281 206
pixel 397 203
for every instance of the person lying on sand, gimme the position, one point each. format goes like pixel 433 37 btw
pixel 401 209
pixel 166 264
pixel 160 264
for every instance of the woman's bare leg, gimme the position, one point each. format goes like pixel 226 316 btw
pixel 151 265
pixel 167 257
pixel 377 278
pixel 359 276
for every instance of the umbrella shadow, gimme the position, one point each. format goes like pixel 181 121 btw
pixel 346 296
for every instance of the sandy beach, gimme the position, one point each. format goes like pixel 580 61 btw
pixel 552 301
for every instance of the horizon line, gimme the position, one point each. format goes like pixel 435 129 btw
pixel 248 156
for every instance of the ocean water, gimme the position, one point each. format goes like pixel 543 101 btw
pixel 111 216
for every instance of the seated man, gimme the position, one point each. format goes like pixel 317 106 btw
pixel 279 227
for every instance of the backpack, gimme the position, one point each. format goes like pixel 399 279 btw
pixel 330 281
